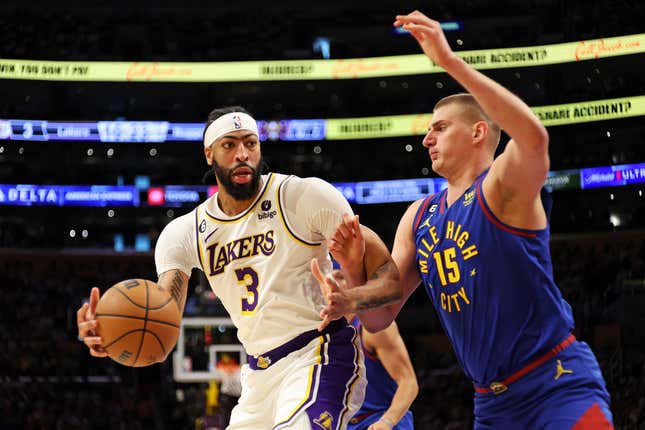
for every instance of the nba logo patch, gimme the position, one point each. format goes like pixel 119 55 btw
pixel 266 205
pixel 237 122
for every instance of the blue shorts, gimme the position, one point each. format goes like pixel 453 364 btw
pixel 566 391
pixel 406 423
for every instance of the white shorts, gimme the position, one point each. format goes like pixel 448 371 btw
pixel 318 386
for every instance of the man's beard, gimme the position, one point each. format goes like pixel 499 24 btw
pixel 239 191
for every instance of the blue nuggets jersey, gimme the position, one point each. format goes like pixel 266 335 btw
pixel 380 385
pixel 378 395
pixel 491 284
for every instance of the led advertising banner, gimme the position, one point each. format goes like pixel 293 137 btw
pixel 366 192
pixel 612 176
pixel 72 195
pixel 30 195
pixel 298 129
pixel 289 70
pixel 563 179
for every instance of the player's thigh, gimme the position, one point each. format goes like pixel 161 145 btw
pixel 326 384
pixel 256 403
pixel 589 414
pixel 300 422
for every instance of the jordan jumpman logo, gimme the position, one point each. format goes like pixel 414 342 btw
pixel 560 370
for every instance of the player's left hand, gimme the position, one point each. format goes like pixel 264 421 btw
pixel 379 425
pixel 347 244
pixel 334 289
pixel 429 34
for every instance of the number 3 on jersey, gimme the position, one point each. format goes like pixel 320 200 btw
pixel 248 278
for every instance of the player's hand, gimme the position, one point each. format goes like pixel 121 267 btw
pixel 347 244
pixel 429 35
pixel 86 322
pixel 334 290
pixel 379 425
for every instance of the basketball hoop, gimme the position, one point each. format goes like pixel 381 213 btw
pixel 231 384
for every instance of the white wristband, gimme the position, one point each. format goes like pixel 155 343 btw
pixel 389 423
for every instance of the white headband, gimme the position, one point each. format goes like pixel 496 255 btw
pixel 233 121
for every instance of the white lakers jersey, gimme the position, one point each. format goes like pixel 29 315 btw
pixel 258 262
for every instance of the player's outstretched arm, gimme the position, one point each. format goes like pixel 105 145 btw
pixel 173 281
pixel 389 348
pixel 377 264
pixel 378 301
pixel 404 257
pixel 525 162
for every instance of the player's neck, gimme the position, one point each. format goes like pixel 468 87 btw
pixel 460 181
pixel 232 206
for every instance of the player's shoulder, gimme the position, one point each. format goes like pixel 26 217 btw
pixel 183 224
pixel 311 184
pixel 413 208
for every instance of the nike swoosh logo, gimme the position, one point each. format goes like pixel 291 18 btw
pixel 210 234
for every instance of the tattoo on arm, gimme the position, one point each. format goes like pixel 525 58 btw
pixel 384 269
pixel 176 289
pixel 385 295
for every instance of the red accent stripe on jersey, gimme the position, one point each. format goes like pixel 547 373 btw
pixel 531 366
pixel 420 212
pixel 593 419
pixel 442 203
pixel 491 217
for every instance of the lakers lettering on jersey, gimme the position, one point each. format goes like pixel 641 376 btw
pixel 257 262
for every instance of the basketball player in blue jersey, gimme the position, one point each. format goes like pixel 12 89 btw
pixel 391 383
pixel 254 240
pixel 481 249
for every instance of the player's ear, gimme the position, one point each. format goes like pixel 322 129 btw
pixel 208 153
pixel 480 131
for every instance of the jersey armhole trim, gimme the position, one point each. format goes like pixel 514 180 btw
pixel 292 234
pixel 496 222
pixel 419 215
pixel 199 243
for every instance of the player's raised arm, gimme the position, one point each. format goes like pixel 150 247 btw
pixel 519 173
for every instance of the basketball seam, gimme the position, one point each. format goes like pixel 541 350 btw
pixel 143 307
pixel 158 340
pixel 145 323
pixel 137 318
pixel 121 337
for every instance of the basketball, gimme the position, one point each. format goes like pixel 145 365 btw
pixel 138 321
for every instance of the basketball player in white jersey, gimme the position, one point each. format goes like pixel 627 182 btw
pixel 254 240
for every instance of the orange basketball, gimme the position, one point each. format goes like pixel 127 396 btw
pixel 138 321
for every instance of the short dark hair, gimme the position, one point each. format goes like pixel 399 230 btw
pixel 216 113
pixel 473 109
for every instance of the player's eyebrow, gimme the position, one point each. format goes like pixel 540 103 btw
pixel 234 137
pixel 434 124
